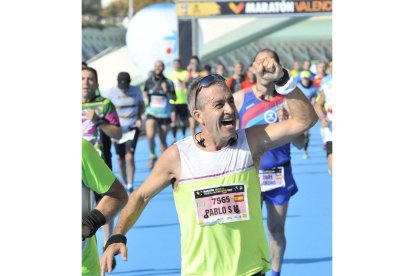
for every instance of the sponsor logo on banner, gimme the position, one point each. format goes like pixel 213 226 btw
pixel 236 8
pixel 313 6
pixel 270 7
pixel 192 9
pixel 198 9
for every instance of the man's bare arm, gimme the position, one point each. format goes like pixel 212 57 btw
pixel 167 89
pixel 165 169
pixel 112 131
pixel 112 201
pixel 300 141
pixel 145 97
pixel 283 114
pixel 110 204
pixel 302 117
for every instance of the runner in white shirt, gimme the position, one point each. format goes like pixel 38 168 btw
pixel 129 105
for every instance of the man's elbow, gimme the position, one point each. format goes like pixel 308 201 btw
pixel 124 198
pixel 307 122
pixel 118 192
pixel 313 118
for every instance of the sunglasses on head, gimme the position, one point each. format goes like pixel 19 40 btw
pixel 206 82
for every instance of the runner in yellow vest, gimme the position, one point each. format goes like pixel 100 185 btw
pixel 180 114
pixel 216 187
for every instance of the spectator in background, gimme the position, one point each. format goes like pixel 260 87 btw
pixel 129 105
pixel 194 71
pixel 234 82
pixel 320 74
pixel 295 70
pixel 305 67
pixel 180 114
pixel 157 95
pixel 250 79
pixel 207 69
pixel 329 68
pixel 221 70
pixel 194 67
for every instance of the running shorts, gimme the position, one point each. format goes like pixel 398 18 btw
pixel 281 195
pixel 181 110
pixel 328 148
pixel 160 121
pixel 128 146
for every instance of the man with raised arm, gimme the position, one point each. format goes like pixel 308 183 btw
pixel 261 104
pixel 216 184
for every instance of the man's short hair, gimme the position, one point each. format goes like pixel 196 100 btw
pixel 194 86
pixel 162 63
pixel 195 57
pixel 239 62
pixel 90 69
pixel 267 50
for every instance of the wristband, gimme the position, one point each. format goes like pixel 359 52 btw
pixel 115 239
pixel 93 221
pixel 288 87
pixel 284 79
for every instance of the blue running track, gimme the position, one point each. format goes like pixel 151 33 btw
pixel 154 241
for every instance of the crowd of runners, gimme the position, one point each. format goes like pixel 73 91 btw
pixel 235 157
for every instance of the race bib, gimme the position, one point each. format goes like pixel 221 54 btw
pixel 127 136
pixel 158 101
pixel 272 179
pixel 221 204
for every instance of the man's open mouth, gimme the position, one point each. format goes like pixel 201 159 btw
pixel 227 122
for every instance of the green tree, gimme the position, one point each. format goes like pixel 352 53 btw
pixel 139 4
pixel 120 8
pixel 95 16
pixel 115 9
pixel 90 7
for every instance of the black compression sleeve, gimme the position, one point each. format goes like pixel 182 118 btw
pixel 93 221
